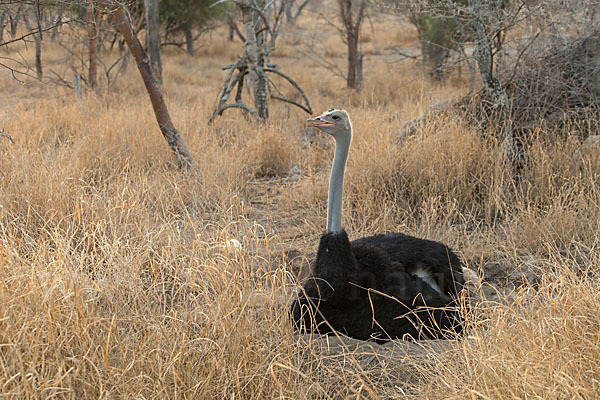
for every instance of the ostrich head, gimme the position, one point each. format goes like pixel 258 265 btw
pixel 334 122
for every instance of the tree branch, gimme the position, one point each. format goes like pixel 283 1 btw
pixel 224 107
pixel 36 32
pixel 308 108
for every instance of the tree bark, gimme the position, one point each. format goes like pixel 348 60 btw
pixel 352 37
pixel 57 23
pixel 233 28
pixel 38 41
pixel 14 21
pixel 13 25
pixel 231 32
pixel 2 24
pixel 288 11
pixel 92 29
pixel 483 55
pixel 290 16
pixel 254 45
pixel 173 137
pixel 38 56
pixel 354 78
pixel 189 38
pixel 153 37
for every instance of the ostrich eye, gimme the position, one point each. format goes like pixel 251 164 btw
pixel 335 117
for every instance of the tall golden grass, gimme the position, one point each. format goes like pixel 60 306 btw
pixel 119 277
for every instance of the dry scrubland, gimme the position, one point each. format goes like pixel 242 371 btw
pixel 116 281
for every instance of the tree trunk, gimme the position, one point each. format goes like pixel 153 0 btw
pixel 189 39
pixel 254 45
pixel 497 92
pixel 13 25
pixel 38 56
pixel 290 16
pixel 260 94
pixel 233 29
pixel 288 12
pixel 354 60
pixel 352 37
pixel 55 28
pixel 14 21
pixel 92 29
pixel 38 43
pixel 231 32
pixel 173 137
pixel 153 37
pixel 36 32
pixel 2 24
pixel 434 58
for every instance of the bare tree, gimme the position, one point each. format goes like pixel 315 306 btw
pixel 153 37
pixel 453 23
pixel 37 18
pixel 174 139
pixel 484 54
pixel 56 23
pixel 120 16
pixel 35 11
pixel 262 24
pixel 38 40
pixel 14 20
pixel 190 17
pixel 543 75
pixel 352 13
pixel 3 19
pixel 92 29
pixel 233 28
pixel 292 15
pixel 255 41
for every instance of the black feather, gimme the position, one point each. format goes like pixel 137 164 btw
pixel 366 289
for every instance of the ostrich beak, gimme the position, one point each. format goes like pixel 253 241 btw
pixel 317 122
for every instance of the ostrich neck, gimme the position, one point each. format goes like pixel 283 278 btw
pixel 336 182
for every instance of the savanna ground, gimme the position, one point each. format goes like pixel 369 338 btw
pixel 116 279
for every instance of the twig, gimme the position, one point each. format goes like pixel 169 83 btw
pixel 2 134
pixel 14 72
pixel 36 32
pixel 405 55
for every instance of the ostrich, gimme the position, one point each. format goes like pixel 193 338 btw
pixel 379 287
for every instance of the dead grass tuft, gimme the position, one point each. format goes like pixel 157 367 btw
pixel 274 152
pixel 542 342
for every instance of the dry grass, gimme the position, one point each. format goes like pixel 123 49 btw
pixel 119 279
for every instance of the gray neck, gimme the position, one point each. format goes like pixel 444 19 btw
pixel 336 182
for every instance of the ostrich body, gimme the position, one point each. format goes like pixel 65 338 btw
pixel 379 287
